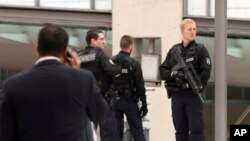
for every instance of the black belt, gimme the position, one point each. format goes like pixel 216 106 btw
pixel 177 89
pixel 127 94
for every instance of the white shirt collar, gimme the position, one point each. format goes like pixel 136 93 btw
pixel 47 58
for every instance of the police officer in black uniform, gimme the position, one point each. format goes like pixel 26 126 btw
pixel 129 88
pixel 95 60
pixel 186 105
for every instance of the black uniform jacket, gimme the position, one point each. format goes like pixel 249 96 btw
pixel 96 61
pixel 50 102
pixel 136 70
pixel 200 60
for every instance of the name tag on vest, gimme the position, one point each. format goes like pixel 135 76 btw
pixel 88 58
pixel 124 70
pixel 190 59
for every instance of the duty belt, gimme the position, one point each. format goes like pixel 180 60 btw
pixel 176 89
pixel 126 93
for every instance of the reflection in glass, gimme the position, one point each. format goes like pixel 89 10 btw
pixel 103 4
pixel 212 8
pixel 238 8
pixel 18 2
pixel 80 4
pixel 235 8
pixel 238 60
pixel 197 7
pixel 238 90
pixel 20 41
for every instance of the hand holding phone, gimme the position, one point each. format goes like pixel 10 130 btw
pixel 69 56
pixel 72 58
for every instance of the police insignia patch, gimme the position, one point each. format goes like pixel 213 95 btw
pixel 124 70
pixel 208 61
pixel 88 58
pixel 190 59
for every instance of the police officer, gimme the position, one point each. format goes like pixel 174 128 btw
pixel 129 88
pixel 95 60
pixel 186 105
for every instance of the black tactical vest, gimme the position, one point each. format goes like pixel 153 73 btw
pixel 190 55
pixel 125 79
pixel 89 60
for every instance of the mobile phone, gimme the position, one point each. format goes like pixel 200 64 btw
pixel 69 56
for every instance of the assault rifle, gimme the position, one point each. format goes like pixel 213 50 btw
pixel 189 72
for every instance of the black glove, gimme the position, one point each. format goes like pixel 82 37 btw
pixel 202 89
pixel 110 97
pixel 143 109
pixel 178 74
pixel 181 83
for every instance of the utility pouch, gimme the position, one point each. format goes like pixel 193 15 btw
pixel 110 97
pixel 171 87
pixel 168 91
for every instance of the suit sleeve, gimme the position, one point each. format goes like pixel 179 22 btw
pixel 100 112
pixel 7 118
pixel 97 107
pixel 109 67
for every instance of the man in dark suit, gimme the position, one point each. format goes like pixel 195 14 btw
pixel 51 101
pixel 1 101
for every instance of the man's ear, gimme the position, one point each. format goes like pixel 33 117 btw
pixel 64 56
pixel 130 46
pixel 92 41
pixel 37 51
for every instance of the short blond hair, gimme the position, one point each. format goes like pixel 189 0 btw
pixel 185 22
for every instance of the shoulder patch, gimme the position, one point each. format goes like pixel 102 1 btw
pixel 111 61
pixel 208 61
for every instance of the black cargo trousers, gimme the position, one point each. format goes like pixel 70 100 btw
pixel 188 116
pixel 127 104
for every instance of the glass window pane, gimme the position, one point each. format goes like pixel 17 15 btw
pixel 238 8
pixel 212 8
pixel 103 4
pixel 79 4
pixel 235 8
pixel 197 7
pixel 23 39
pixel 18 2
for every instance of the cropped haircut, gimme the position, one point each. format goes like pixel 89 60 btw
pixel 52 39
pixel 185 22
pixel 126 41
pixel 92 34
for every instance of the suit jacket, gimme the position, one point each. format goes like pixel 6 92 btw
pixel 50 102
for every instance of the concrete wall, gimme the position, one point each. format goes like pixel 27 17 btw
pixel 151 18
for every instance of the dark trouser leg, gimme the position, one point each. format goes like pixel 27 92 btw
pixel 134 121
pixel 195 118
pixel 120 124
pixel 107 132
pixel 179 117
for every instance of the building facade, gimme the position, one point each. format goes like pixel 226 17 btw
pixel 155 26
